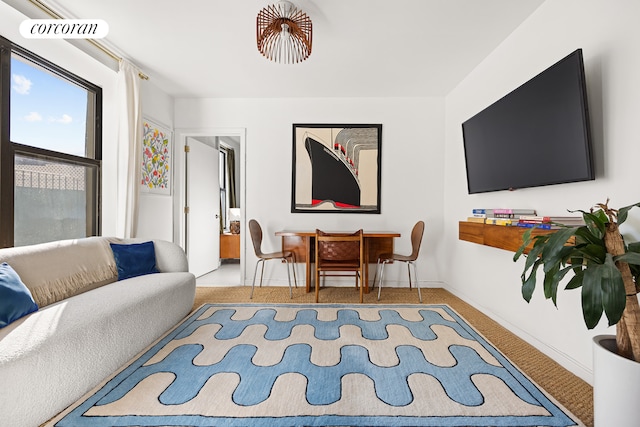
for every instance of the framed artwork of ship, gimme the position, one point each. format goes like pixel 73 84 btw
pixel 336 168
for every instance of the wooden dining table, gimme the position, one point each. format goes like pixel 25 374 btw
pixel 302 244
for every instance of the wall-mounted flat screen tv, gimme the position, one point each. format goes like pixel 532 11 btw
pixel 536 135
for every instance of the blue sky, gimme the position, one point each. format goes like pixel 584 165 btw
pixel 46 111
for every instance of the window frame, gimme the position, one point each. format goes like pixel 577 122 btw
pixel 224 198
pixel 9 149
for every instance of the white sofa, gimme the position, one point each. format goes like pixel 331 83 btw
pixel 88 324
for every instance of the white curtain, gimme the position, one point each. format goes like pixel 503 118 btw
pixel 129 149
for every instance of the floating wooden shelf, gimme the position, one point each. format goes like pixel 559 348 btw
pixel 497 236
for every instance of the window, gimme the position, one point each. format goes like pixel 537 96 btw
pixel 222 177
pixel 50 150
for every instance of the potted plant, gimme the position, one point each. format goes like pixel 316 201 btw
pixel 608 271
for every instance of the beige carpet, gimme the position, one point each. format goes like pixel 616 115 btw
pixel 571 391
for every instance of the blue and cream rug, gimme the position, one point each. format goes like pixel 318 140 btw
pixel 320 365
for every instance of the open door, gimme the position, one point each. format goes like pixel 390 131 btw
pixel 202 213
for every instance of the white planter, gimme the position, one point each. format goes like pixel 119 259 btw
pixel 616 386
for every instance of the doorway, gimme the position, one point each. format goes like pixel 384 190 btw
pixel 200 222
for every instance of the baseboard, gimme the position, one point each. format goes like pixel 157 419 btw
pixel 339 281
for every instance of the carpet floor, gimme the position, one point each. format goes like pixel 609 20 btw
pixel 569 390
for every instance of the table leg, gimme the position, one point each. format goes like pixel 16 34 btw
pixel 307 243
pixel 365 282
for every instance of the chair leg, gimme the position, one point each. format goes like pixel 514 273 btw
pixel 375 274
pixel 255 273
pixel 261 273
pixel 415 276
pixel 286 260
pixel 293 267
pixel 409 271
pixel 381 277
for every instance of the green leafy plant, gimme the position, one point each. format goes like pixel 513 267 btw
pixel 603 265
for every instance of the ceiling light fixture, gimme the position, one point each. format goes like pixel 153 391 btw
pixel 284 33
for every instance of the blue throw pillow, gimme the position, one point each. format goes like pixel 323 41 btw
pixel 134 259
pixel 15 298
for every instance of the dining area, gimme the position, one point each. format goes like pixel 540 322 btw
pixel 336 253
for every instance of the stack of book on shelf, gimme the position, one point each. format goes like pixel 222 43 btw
pixel 499 216
pixel 523 218
pixel 549 222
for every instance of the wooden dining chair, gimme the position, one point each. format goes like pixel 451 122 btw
pixel 383 259
pixel 287 256
pixel 339 253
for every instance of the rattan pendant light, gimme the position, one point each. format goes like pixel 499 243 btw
pixel 283 33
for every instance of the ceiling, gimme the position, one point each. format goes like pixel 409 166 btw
pixel 361 48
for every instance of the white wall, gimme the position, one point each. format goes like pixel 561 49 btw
pixel 72 59
pixel 412 167
pixel 155 212
pixel 608 34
